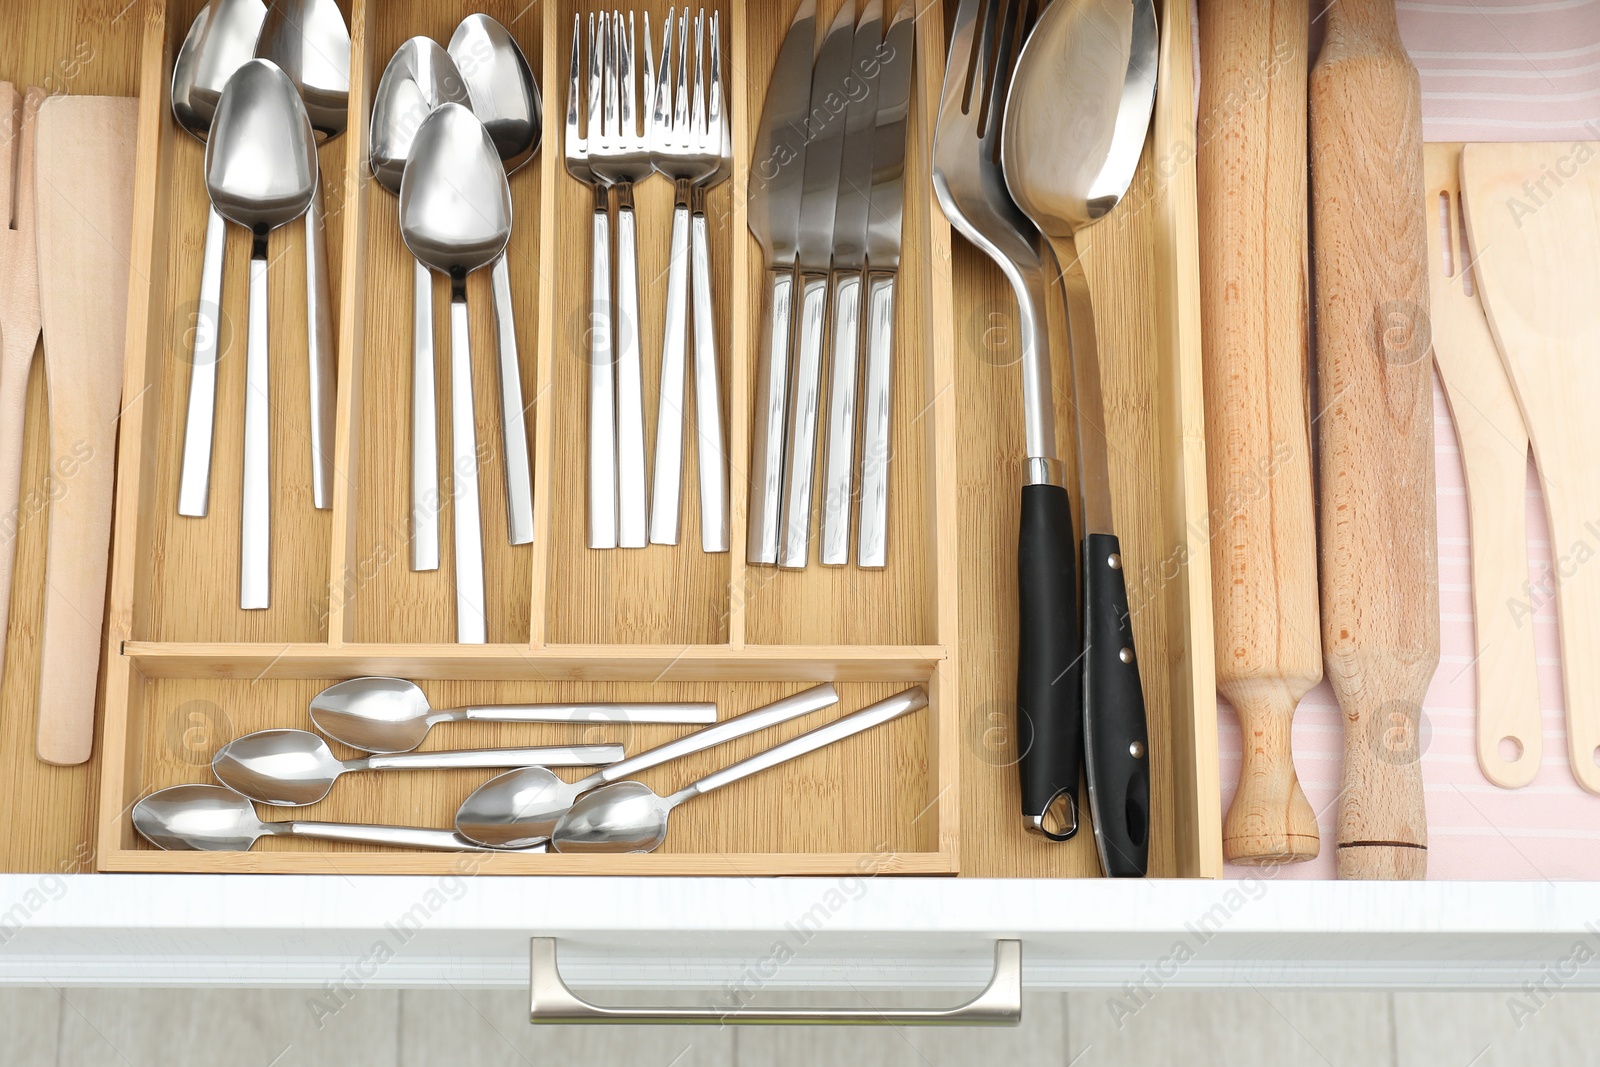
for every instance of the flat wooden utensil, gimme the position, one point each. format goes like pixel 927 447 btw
pixel 19 319
pixel 1494 455
pixel 1533 212
pixel 1380 576
pixel 1252 174
pixel 84 195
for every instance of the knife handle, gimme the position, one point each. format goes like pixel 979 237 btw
pixel 876 403
pixel 767 435
pixel 1049 689
pixel 1116 737
pixel 799 474
pixel 838 475
pixel 667 489
pixel 711 443
pixel 632 505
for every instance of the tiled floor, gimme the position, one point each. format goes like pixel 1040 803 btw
pixel 383 1028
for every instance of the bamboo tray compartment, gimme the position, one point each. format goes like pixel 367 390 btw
pixel 934 793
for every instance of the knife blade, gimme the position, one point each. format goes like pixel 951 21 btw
pixel 896 58
pixel 776 173
pixel 849 260
pixel 819 198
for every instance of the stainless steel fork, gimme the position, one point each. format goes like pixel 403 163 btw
pixel 692 146
pixel 585 94
pixel 619 157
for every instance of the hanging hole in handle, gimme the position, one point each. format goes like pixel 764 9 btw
pixel 1510 749
pixel 1136 819
pixel 1595 755
pixel 1060 819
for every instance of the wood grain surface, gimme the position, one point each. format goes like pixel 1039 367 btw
pixel 1494 458
pixel 1379 551
pixel 1252 181
pixel 921 796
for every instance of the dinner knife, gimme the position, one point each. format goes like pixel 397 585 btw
pixel 895 60
pixel 849 260
pixel 819 201
pixel 776 172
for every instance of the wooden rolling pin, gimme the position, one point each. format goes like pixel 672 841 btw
pixel 1252 173
pixel 1380 579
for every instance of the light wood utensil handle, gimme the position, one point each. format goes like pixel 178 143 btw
pixel 1380 584
pixel 85 163
pixel 1252 175
pixel 19 321
pixel 1494 458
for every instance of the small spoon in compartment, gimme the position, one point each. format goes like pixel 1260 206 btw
pixel 293 768
pixel 393 715
pixel 632 817
pixel 211 818
pixel 520 808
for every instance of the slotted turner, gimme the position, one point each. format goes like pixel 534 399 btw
pixel 1494 454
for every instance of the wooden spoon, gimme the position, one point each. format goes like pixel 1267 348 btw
pixel 1533 213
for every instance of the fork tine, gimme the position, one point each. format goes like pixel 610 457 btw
pixel 697 131
pixel 680 110
pixel 714 105
pixel 647 84
pixel 626 83
pixel 596 85
pixel 574 90
pixel 661 104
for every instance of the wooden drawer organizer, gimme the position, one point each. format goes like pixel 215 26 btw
pixel 932 794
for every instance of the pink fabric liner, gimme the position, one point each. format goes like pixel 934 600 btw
pixel 1491 71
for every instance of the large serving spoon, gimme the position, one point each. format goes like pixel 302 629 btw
pixel 387 715
pixel 519 808
pixel 211 818
pixel 310 43
pixel 632 817
pixel 505 97
pixel 261 172
pixel 420 76
pixel 1096 61
pixel 293 768
pixel 222 37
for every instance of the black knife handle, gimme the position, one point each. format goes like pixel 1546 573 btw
pixel 1116 736
pixel 1049 677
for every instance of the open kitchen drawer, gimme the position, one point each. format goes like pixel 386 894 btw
pixel 933 795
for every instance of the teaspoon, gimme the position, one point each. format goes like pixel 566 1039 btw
pixel 221 38
pixel 309 42
pixel 505 97
pixel 261 172
pixel 632 817
pixel 519 808
pixel 393 715
pixel 211 818
pixel 420 76
pixel 293 768
pixel 455 216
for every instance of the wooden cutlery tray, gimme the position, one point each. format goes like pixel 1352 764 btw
pixel 934 793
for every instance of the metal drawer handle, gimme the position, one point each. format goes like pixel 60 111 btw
pixel 1000 1003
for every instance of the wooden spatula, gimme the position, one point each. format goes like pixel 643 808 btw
pixel 1258 442
pixel 1533 213
pixel 19 318
pixel 1380 577
pixel 1494 454
pixel 84 157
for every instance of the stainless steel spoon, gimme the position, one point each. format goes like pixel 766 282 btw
pixel 505 97
pixel 222 36
pixel 309 42
pixel 455 215
pixel 632 817
pixel 261 172
pixel 521 807
pixel 293 768
pixel 211 818
pixel 420 76
pixel 392 715
pixel 1095 60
